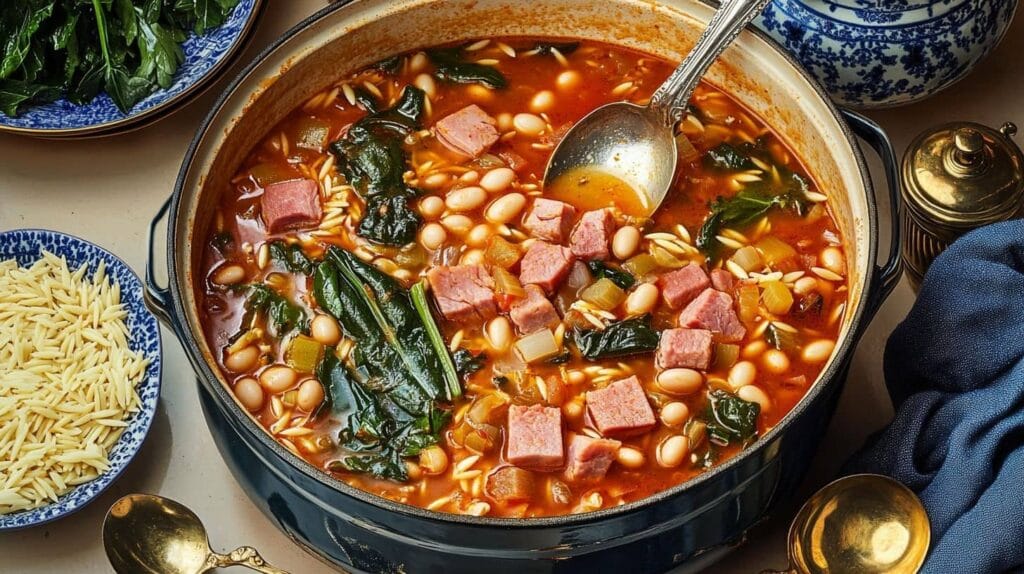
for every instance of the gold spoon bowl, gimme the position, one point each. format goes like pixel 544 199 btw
pixel 149 534
pixel 860 524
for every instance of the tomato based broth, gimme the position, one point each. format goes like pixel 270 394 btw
pixel 744 223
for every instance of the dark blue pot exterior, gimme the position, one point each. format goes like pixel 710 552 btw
pixel 699 522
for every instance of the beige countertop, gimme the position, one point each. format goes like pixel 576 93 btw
pixel 108 190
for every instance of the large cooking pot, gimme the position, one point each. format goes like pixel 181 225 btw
pixel 691 524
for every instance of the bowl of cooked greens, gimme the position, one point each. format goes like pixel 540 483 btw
pixel 71 68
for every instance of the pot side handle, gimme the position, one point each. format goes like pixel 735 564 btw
pixel 887 276
pixel 158 298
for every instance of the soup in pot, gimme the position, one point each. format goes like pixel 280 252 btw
pixel 396 297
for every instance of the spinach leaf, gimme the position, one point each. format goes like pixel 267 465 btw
pixel 390 65
pixel 466 363
pixel 601 270
pixel 283 315
pixel 450 65
pixel 742 209
pixel 725 157
pixel 338 394
pixel 730 418
pixel 371 158
pixel 629 337
pixel 451 374
pixel 545 48
pixel 292 257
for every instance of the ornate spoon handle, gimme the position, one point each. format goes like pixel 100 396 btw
pixel 242 556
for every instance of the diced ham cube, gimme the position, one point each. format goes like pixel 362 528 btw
pixel 621 408
pixel 546 265
pixel 463 293
pixel 291 204
pixel 533 312
pixel 722 280
pixel 550 220
pixel 713 310
pixel 681 286
pixel 690 348
pixel 469 131
pixel 510 483
pixel 535 437
pixel 589 458
pixel 592 234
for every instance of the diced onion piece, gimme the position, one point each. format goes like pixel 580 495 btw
pixel 777 298
pixel 749 296
pixel 604 294
pixel 775 250
pixel 687 152
pixel 501 253
pixel 537 346
pixel 748 258
pixel 725 356
pixel 303 354
pixel 579 277
pixel 640 266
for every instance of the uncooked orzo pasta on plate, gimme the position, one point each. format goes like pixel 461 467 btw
pixel 79 373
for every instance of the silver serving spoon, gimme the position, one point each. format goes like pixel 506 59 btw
pixel 149 534
pixel 637 144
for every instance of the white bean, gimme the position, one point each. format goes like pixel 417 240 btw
pixel 278 378
pixel 425 82
pixel 542 101
pixel 431 207
pixel 805 285
pixel 529 124
pixel 630 457
pixel 472 257
pixel 568 80
pixel 642 300
pixel 505 208
pixel 418 62
pixel 832 259
pixel 754 349
pixel 499 334
pixel 505 122
pixel 673 450
pixel 754 394
pixel 457 224
pixel 479 235
pixel 625 241
pixel 434 181
pixel 471 176
pixel 433 236
pixel 228 275
pixel 249 393
pixel 243 360
pixel 742 374
pixel 775 361
pixel 466 198
pixel 680 381
pixel 818 351
pixel 325 330
pixel 674 414
pixel 498 179
pixel 310 395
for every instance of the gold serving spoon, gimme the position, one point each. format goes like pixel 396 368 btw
pixel 149 534
pixel 860 524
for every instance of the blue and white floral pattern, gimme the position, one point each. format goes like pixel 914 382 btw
pixel 204 55
pixel 25 246
pixel 879 53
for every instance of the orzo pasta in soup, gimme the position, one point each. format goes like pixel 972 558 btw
pixel 399 301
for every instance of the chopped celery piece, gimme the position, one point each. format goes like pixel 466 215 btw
pixel 604 294
pixel 501 253
pixel 311 133
pixel 748 258
pixel 537 346
pixel 749 296
pixel 725 356
pixel 775 250
pixel 640 266
pixel 777 298
pixel 303 353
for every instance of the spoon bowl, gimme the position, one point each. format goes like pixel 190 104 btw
pixel 144 533
pixel 861 524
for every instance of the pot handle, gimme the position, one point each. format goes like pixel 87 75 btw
pixel 157 298
pixel 887 276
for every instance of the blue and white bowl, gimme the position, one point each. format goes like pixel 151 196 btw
pixel 882 53
pixel 25 246
pixel 205 57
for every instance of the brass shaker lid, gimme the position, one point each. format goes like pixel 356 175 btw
pixel 964 175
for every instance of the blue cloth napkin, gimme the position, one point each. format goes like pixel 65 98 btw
pixel 955 368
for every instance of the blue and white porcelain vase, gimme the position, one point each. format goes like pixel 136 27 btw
pixel 881 53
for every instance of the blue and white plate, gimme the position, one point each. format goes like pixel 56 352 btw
pixel 205 57
pixel 25 245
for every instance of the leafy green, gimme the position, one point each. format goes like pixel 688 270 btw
pixel 730 418
pixel 283 315
pixel 742 209
pixel 601 270
pixel 786 341
pixel 450 65
pixel 725 157
pixel 466 363
pixel 451 375
pixel 546 48
pixel 396 379
pixel 291 257
pixel 629 337
pixel 77 48
pixel 372 159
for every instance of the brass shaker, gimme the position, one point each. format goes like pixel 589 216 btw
pixel 957 177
